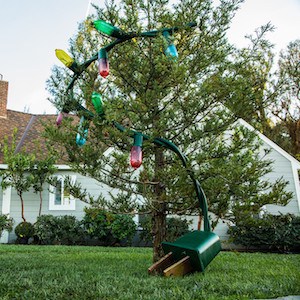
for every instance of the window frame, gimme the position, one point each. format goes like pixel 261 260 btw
pixel 70 203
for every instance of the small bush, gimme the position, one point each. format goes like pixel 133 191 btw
pixel 6 223
pixel 175 228
pixel 58 230
pixel 123 227
pixel 108 228
pixel 281 233
pixel 97 222
pixel 24 231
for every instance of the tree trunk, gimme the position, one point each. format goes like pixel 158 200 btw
pixel 22 206
pixel 159 214
pixel 41 203
pixel 294 132
pixel 199 222
pixel 159 230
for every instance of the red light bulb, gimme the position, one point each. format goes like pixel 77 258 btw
pixel 103 67
pixel 103 64
pixel 136 156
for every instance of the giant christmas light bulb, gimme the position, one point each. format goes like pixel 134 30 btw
pixel 64 57
pixel 103 63
pixel 170 50
pixel 67 60
pixel 59 118
pixel 98 104
pixel 108 29
pixel 82 133
pixel 136 155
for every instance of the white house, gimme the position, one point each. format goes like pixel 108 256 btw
pixel 284 165
pixel 56 202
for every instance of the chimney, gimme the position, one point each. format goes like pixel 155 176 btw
pixel 3 97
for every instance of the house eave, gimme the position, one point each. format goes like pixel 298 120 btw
pixel 63 167
pixel 294 162
pixel 59 167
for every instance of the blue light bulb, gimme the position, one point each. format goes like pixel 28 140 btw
pixel 81 136
pixel 171 51
pixel 80 141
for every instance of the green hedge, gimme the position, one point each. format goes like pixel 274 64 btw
pixel 6 223
pixel 108 228
pixel 58 230
pixel 279 233
pixel 175 228
pixel 99 227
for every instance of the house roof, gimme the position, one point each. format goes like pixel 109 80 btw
pixel 29 130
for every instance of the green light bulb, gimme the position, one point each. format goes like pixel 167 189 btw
pixel 108 29
pixel 97 102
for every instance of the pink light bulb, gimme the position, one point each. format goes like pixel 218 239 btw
pixel 59 118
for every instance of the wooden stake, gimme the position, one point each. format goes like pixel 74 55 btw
pixel 162 264
pixel 182 267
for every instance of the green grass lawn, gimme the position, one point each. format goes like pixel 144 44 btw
pixel 62 272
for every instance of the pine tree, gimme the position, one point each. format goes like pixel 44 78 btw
pixel 149 93
pixel 247 83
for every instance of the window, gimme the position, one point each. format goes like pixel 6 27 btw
pixel 59 198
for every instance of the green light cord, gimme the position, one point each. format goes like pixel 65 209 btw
pixel 157 141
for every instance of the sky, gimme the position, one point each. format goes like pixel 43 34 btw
pixel 30 31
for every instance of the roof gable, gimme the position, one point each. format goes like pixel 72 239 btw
pixel 29 130
pixel 269 142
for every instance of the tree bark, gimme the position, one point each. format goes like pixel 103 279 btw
pixel 41 203
pixel 159 214
pixel 159 229
pixel 22 206
pixel 294 132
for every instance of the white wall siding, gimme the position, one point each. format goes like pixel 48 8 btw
pixel 93 187
pixel 32 202
pixel 5 210
pixel 1 194
pixel 282 167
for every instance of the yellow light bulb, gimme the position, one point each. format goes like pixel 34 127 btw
pixel 64 57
